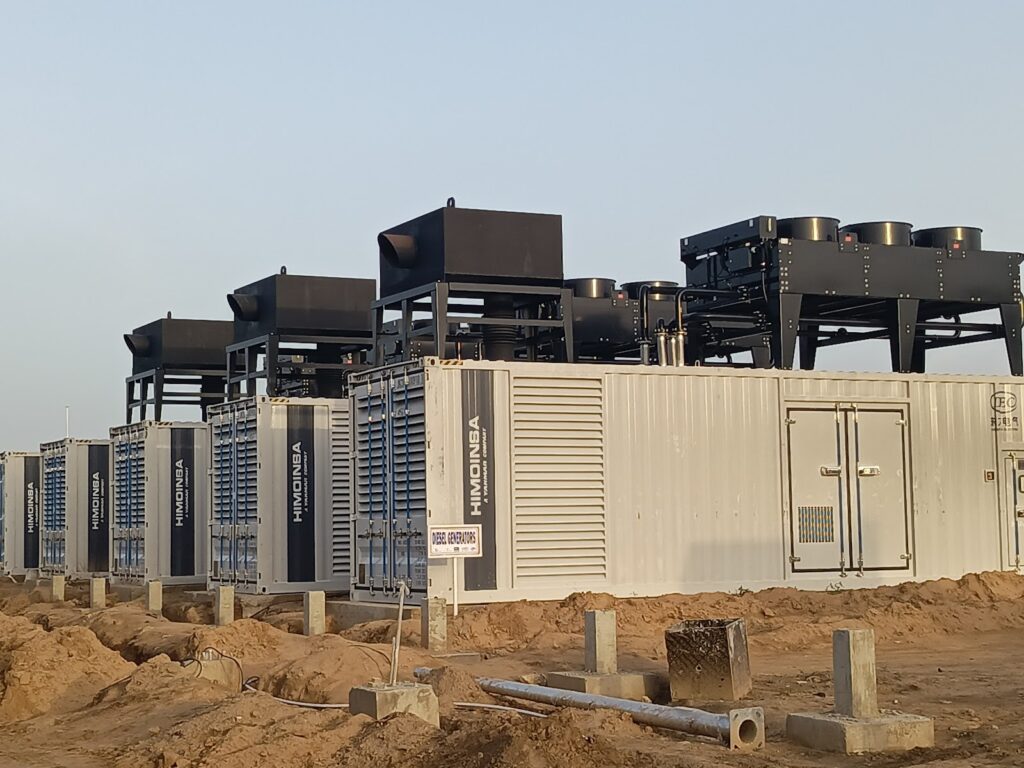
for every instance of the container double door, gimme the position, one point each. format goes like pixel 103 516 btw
pixel 848 489
pixel 1013 503
pixel 390 498
pixel 129 529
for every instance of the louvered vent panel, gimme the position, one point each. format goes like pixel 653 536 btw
pixel 341 492
pixel 558 479
pixel 129 502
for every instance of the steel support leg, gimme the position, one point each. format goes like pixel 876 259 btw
pixel 762 356
pixel 565 307
pixel 809 348
pixel 439 298
pixel 143 398
pixel 158 394
pixel 1011 315
pixel 785 325
pixel 251 362
pixel 272 364
pixel 903 333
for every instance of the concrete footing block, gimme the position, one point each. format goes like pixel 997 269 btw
pixel 58 584
pixel 888 732
pixel 857 726
pixel 635 686
pixel 97 592
pixel 223 605
pixel 600 643
pixel 382 700
pixel 434 624
pixel 314 614
pixel 154 598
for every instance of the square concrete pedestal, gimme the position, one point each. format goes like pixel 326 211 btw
pixel 382 700
pixel 888 732
pixel 635 686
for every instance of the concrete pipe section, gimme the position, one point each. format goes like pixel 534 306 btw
pixel 740 729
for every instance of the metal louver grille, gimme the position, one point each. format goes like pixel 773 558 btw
pixel 558 475
pixel 391 496
pixel 341 490
pixel 234 487
pixel 815 524
pixel 54 532
pixel 129 503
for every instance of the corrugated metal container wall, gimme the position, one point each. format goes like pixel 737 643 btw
pixel 76 507
pixel 161 502
pixel 646 480
pixel 696 465
pixel 280 516
pixel 20 493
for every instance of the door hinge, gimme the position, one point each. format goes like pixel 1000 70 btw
pixel 901 422
pixel 907 556
pixel 794 559
pixel 791 421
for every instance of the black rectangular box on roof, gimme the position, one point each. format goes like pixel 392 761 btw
pixel 468 245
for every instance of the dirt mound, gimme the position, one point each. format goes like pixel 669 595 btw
pixel 781 618
pixel 570 739
pixel 159 680
pixel 244 731
pixel 245 640
pixel 51 672
pixel 330 666
pixel 451 684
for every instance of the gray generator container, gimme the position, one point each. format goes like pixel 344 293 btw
pixel 20 494
pixel 280 517
pixel 642 480
pixel 76 508
pixel 160 528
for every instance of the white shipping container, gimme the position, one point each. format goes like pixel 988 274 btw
pixel 76 508
pixel 641 480
pixel 20 492
pixel 280 515
pixel 161 490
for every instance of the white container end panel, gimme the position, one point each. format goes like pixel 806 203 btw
pixel 280 518
pixel 161 494
pixel 76 507
pixel 20 496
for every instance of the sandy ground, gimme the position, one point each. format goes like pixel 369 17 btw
pixel 85 689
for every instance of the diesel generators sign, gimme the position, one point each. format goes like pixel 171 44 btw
pixel 301 494
pixel 98 538
pixel 477 475
pixel 183 499
pixel 32 495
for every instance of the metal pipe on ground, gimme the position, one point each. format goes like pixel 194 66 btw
pixel 739 729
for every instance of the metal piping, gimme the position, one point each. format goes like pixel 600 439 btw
pixel 645 342
pixel 740 729
pixel 661 343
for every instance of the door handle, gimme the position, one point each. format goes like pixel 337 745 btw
pixel 869 471
pixel 831 471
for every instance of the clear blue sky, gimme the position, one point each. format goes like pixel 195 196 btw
pixel 153 156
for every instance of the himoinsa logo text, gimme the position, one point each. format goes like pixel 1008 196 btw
pixel 96 502
pixel 179 493
pixel 30 508
pixel 476 468
pixel 298 483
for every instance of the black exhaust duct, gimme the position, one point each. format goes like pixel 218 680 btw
pixel 176 362
pixel 508 265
